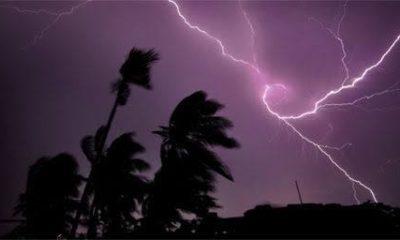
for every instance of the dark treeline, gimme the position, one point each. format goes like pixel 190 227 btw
pixel 116 200
pixel 306 221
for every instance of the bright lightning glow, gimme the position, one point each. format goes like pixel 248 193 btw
pixel 321 148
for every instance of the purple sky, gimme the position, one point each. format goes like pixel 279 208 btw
pixel 54 92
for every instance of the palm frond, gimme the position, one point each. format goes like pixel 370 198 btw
pixel 88 148
pixel 189 166
pixel 136 68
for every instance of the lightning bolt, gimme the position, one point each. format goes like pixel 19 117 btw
pixel 213 38
pixel 339 38
pixel 361 99
pixel 57 17
pixel 317 105
pixel 31 11
pixel 253 36
pixel 354 81
pixel 355 196
pixel 337 148
pixel 320 147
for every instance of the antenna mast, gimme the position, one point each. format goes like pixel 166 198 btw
pixel 298 192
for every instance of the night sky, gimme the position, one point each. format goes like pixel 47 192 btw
pixel 56 88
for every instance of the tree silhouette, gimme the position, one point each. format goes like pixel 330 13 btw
pixel 49 200
pixel 118 188
pixel 188 165
pixel 135 70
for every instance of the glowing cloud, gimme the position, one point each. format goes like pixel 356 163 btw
pixel 317 105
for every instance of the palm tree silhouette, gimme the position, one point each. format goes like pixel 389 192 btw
pixel 135 70
pixel 189 166
pixel 118 188
pixel 49 199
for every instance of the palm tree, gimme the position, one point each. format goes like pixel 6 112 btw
pixel 189 166
pixel 135 70
pixel 49 199
pixel 117 186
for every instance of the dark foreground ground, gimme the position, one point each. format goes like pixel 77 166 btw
pixel 304 221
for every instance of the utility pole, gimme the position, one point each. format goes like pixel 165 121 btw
pixel 298 192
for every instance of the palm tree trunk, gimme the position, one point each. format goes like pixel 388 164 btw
pixel 89 185
pixel 92 227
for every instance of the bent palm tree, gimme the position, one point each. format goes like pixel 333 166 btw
pixel 135 70
pixel 187 174
pixel 49 199
pixel 118 187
